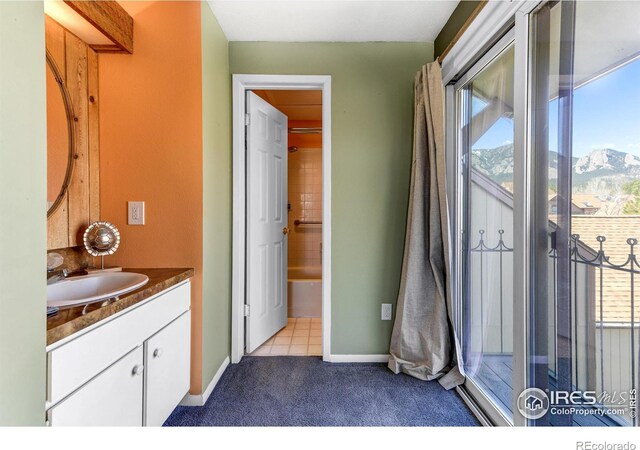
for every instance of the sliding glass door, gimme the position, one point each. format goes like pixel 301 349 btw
pixel 485 98
pixel 547 139
pixel 583 315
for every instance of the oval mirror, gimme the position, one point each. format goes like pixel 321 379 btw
pixel 60 137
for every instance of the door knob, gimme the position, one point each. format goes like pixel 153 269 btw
pixel 157 353
pixel 285 230
pixel 137 370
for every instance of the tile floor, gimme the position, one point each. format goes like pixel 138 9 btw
pixel 301 337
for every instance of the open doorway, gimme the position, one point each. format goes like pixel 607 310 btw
pixel 281 295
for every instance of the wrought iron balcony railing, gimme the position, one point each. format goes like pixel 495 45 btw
pixel 604 310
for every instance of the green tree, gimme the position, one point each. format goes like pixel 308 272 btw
pixel 632 206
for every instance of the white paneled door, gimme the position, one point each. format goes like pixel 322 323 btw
pixel 266 221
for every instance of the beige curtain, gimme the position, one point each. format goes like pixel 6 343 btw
pixel 423 343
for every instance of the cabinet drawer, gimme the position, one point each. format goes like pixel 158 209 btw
pixel 74 363
pixel 167 369
pixel 113 398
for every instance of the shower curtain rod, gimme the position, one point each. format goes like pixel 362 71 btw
pixel 303 130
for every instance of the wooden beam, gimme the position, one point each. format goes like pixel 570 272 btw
pixel 460 32
pixel 110 19
pixel 98 48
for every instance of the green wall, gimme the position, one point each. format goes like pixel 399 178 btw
pixel 216 126
pixel 23 222
pixel 372 114
pixel 458 18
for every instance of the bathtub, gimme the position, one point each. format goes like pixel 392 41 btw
pixel 304 291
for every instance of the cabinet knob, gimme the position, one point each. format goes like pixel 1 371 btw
pixel 137 370
pixel 157 353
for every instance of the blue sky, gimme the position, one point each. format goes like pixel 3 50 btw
pixel 606 114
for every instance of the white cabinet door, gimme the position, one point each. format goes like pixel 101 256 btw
pixel 167 369
pixel 113 398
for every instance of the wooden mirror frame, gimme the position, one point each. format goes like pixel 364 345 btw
pixel 71 118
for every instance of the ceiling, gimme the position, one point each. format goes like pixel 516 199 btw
pixel 605 39
pixel 332 20
pixel 296 105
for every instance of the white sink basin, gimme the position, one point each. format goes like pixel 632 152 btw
pixel 93 288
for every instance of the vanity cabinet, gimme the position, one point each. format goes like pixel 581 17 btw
pixel 132 369
pixel 167 381
pixel 112 398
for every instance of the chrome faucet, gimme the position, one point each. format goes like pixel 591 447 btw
pixel 57 275
pixel 55 260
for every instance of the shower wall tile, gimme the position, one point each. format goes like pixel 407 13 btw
pixel 305 197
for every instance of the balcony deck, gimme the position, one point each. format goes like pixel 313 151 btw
pixel 495 375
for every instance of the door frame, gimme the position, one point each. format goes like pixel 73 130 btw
pixel 241 83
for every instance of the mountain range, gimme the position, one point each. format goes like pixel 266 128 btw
pixel 600 170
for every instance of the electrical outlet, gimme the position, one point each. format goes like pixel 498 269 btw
pixel 387 311
pixel 136 213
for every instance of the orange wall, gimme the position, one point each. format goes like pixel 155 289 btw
pixel 151 146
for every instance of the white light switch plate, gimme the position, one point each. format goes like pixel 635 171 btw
pixel 136 213
pixel 387 311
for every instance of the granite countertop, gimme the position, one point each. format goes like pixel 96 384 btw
pixel 71 320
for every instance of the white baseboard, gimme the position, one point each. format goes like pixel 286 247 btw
pixel 201 399
pixel 358 358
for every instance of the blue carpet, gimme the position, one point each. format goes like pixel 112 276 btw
pixel 305 391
